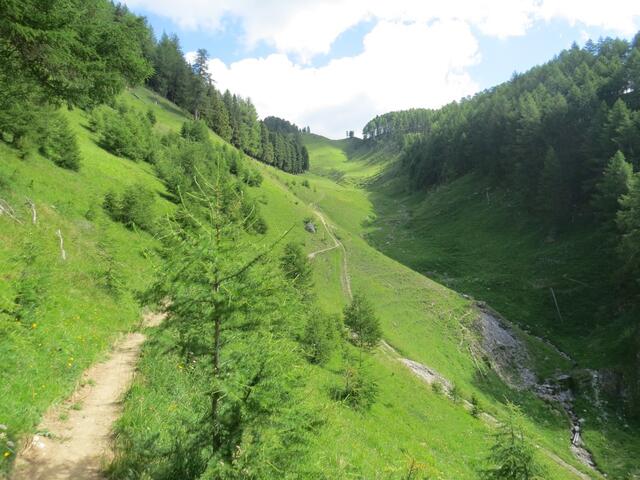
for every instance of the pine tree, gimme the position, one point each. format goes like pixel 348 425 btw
pixel 527 147
pixel 613 184
pixel 218 116
pixel 228 306
pixel 320 337
pixel 361 319
pixel 200 66
pixel 621 130
pixel 296 266
pixel 512 457
pixel 267 146
pixel 628 220
pixel 551 191
pixel 60 144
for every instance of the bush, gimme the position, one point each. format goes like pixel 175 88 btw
pixel 252 177
pixel 305 183
pixel 151 116
pixel 296 266
pixel 363 322
pixel 359 390
pixel 195 131
pixel 125 133
pixel 59 144
pixel 476 410
pixel 455 393
pixel 512 456
pixel 320 337
pixel 134 208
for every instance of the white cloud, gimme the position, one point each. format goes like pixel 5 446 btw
pixel 417 55
pixel 306 28
pixel 620 16
pixel 402 66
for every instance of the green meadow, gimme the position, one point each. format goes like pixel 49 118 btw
pixel 77 314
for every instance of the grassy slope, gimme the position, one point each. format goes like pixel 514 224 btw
pixel 481 248
pixel 423 321
pixel 78 320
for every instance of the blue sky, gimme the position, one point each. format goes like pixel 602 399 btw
pixel 334 64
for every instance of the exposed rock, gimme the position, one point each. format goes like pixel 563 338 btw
pixel 427 374
pixel 310 227
pixel 507 355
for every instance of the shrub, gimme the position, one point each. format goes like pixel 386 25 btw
pixel 125 133
pixel 361 319
pixel 359 390
pixel 320 337
pixel 195 131
pixel 512 456
pixel 295 265
pixel 151 116
pixel 134 208
pixel 59 144
pixel 305 183
pixel 252 177
pixel 110 278
pixel 476 410
pixel 455 393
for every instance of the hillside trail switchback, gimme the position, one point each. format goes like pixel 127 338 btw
pixel 344 271
pixel 421 371
pixel 73 439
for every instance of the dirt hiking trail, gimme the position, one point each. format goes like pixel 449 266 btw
pixel 74 438
pixel 344 275
pixel 421 371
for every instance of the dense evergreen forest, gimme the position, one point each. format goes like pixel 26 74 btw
pixel 62 59
pixel 232 117
pixel 398 125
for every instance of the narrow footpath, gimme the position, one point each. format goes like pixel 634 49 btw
pixel 73 440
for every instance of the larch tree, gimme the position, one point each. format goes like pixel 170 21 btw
pixel 613 184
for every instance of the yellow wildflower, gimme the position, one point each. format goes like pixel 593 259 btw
pixel 7 454
pixel 34 325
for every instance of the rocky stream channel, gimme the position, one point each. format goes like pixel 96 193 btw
pixel 510 359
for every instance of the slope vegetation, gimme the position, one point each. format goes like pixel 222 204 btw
pixel 458 237
pixel 410 425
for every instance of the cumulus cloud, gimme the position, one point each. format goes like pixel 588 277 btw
pixel 417 54
pixel 621 16
pixel 402 66
pixel 306 28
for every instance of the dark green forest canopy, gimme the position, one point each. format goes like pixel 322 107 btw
pixel 80 52
pixel 548 134
pixel 85 53
pixel 273 141
pixel 280 125
pixel 581 107
pixel 70 52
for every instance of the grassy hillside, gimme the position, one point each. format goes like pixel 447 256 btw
pixel 59 316
pixel 485 250
pixel 420 318
pixel 77 315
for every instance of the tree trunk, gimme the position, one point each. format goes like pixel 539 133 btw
pixel 215 396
